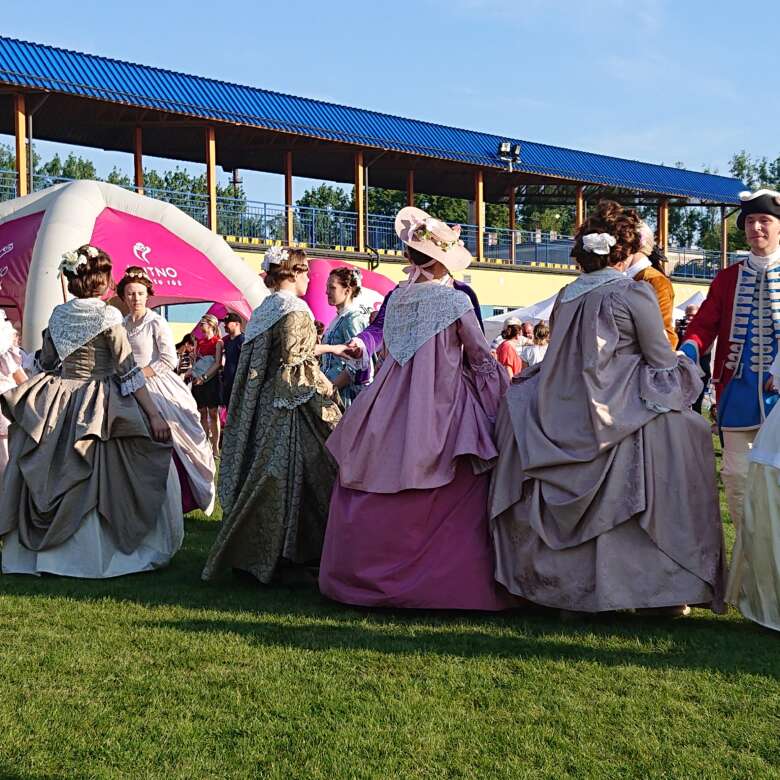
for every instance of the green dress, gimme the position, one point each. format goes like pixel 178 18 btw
pixel 276 475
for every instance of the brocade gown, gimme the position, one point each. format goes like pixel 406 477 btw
pixel 604 496
pixel 276 475
pixel 87 491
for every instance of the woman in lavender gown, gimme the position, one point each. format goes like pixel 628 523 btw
pixel 408 524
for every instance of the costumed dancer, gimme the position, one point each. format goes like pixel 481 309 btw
pixel 647 265
pixel 90 489
pixel 754 577
pixel 11 374
pixel 604 496
pixel 408 523
pixel 742 311
pixel 368 342
pixel 153 349
pixel 344 285
pixel 276 475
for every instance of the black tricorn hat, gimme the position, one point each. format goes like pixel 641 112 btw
pixel 758 202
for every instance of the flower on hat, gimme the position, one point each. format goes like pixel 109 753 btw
pixel 274 256
pixel 598 243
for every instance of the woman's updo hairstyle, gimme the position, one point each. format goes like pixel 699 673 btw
pixel 134 274
pixel 622 224
pixel 293 262
pixel 349 278
pixel 417 257
pixel 511 332
pixel 92 277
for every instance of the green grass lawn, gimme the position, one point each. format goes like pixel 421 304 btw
pixel 161 675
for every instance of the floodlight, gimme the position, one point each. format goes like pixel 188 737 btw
pixel 516 152
pixel 504 148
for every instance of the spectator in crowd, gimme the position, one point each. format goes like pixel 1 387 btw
pixel 232 342
pixel 185 350
pixel 533 354
pixel 205 378
pixel 507 352
pixel 705 359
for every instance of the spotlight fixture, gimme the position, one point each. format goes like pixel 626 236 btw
pixel 509 153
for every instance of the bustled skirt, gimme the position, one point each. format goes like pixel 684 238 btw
pixel 668 554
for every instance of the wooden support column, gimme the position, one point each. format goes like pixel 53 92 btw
pixel 724 238
pixel 138 160
pixel 20 131
pixel 479 206
pixel 663 224
pixel 360 201
pixel 211 177
pixel 410 188
pixel 579 207
pixel 289 211
pixel 512 226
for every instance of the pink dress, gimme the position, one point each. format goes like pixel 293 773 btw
pixel 408 524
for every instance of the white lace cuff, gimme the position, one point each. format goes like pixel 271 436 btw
pixel 132 381
pixel 294 401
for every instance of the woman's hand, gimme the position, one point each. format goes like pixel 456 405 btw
pixel 148 371
pixel 340 350
pixel 353 350
pixel 161 431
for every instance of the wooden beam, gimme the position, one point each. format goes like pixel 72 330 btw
pixel 579 207
pixel 663 224
pixel 20 132
pixel 512 225
pixel 724 238
pixel 479 205
pixel 211 177
pixel 360 201
pixel 410 188
pixel 289 219
pixel 138 161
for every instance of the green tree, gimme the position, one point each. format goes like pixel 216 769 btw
pixel 326 196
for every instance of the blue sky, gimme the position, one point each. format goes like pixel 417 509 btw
pixel 655 80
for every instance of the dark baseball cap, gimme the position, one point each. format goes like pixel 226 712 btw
pixel 231 317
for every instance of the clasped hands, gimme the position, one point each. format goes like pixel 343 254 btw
pixel 351 350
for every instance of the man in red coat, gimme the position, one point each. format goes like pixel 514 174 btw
pixel 742 311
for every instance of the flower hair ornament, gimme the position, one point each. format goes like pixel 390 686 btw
pixel 137 273
pixel 423 230
pixel 72 261
pixel 598 243
pixel 357 277
pixel 274 256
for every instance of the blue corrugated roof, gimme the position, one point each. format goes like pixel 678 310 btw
pixel 39 66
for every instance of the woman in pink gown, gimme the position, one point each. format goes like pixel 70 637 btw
pixel 408 522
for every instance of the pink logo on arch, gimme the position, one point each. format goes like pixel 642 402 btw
pixel 180 272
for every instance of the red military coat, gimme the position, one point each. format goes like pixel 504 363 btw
pixel 713 321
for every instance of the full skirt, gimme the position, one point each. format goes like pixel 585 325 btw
pixel 754 578
pixel 190 445
pixel 423 549
pixel 667 554
pixel 91 553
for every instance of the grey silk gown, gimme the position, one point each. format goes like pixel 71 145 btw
pixel 604 495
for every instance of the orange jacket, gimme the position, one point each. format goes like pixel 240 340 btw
pixel 664 293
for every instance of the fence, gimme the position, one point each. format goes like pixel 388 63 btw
pixel 323 228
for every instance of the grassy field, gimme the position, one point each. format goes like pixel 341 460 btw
pixel 161 675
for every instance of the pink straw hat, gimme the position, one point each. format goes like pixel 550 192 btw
pixel 433 238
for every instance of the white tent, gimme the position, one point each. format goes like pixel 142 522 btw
pixel 536 312
pixel 697 299
pixel 185 260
